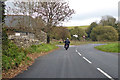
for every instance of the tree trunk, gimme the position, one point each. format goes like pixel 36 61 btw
pixel 48 39
pixel 63 40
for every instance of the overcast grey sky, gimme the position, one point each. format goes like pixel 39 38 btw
pixel 88 11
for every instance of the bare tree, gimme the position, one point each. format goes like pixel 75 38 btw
pixel 64 33
pixel 25 11
pixel 60 33
pixel 52 13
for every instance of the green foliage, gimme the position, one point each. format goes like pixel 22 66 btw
pixel 60 33
pixel 112 47
pixel 41 48
pixel 5 40
pixel 78 31
pixel 110 21
pixel 12 56
pixel 89 29
pixel 104 33
pixel 83 27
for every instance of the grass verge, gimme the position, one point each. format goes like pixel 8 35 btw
pixel 82 42
pixel 111 47
pixel 32 53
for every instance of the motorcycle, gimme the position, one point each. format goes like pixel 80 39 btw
pixel 66 46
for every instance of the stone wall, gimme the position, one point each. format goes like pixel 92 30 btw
pixel 23 41
pixel 26 40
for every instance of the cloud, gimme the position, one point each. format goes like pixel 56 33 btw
pixel 88 11
pixel 99 13
pixel 81 22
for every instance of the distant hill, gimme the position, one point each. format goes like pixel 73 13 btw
pixel 83 27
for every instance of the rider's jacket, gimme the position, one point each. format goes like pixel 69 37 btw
pixel 67 41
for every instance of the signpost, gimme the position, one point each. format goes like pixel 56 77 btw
pixel 75 35
pixel 84 37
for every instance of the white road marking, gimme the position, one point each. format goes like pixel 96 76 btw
pixel 97 68
pixel 78 52
pixel 84 58
pixel 87 60
pixel 105 74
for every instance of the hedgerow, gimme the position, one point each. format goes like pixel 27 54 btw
pixel 12 56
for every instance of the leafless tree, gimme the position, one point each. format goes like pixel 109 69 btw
pixel 52 13
pixel 25 12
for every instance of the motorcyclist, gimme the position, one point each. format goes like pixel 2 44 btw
pixel 67 42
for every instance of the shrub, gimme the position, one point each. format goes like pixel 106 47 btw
pixel 78 31
pixel 89 29
pixel 60 33
pixel 104 33
pixel 12 56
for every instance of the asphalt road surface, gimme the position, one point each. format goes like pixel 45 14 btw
pixel 82 61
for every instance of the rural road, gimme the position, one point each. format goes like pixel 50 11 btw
pixel 77 62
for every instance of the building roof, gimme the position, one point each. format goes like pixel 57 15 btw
pixel 19 20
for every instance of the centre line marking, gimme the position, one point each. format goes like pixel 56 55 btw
pixel 79 53
pixel 87 60
pixel 105 74
pixel 76 51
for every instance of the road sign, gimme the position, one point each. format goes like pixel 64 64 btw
pixel 75 35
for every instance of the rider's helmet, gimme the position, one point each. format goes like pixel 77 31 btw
pixel 67 38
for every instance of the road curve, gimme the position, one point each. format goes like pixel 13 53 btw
pixel 82 61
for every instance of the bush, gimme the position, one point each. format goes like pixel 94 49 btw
pixel 89 29
pixel 78 31
pixel 60 33
pixel 104 33
pixel 12 56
